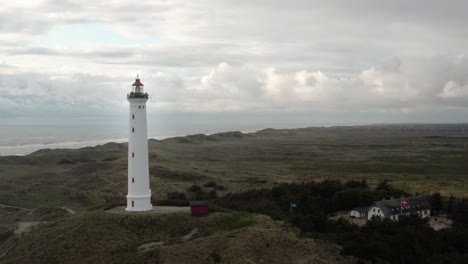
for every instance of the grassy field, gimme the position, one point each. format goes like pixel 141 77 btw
pixel 416 158
pixel 422 159
pixel 221 237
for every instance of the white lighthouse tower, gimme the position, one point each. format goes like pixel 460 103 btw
pixel 139 192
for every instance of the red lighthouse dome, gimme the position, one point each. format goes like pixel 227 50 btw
pixel 137 90
pixel 137 82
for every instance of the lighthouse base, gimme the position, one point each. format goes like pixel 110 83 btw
pixel 139 203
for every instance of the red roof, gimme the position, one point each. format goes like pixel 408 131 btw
pixel 137 83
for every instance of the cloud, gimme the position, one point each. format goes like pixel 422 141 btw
pixel 453 90
pixel 233 56
pixel 336 38
pixel 392 85
pixel 396 86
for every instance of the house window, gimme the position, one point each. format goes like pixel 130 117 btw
pixel 133 180
pixel 139 107
pixel 143 107
pixel 373 210
pixel 133 203
pixel 133 116
pixel 133 154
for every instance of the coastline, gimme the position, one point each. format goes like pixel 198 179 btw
pixel 25 149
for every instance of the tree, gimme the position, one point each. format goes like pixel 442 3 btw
pixel 364 184
pixel 353 184
pixel 384 186
pixel 451 203
pixel 436 202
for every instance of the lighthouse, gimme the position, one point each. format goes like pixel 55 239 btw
pixel 139 192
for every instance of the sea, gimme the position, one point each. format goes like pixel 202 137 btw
pixel 25 139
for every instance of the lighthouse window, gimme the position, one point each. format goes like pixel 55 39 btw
pixel 139 107
pixel 133 180
pixel 133 129
pixel 133 203
pixel 133 154
pixel 133 116
pixel 143 107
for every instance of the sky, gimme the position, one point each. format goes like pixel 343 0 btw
pixel 229 64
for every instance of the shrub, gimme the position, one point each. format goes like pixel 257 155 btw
pixel 176 196
pixel 194 188
pixel 220 188
pixel 210 184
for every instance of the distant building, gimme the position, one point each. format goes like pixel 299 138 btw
pixel 199 207
pixel 359 212
pixel 393 208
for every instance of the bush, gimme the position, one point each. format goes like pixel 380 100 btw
pixel 194 188
pixel 5 234
pixel 176 196
pixel 210 184
pixel 436 202
pixel 356 184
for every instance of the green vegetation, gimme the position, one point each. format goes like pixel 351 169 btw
pixel 112 237
pixel 406 241
pixel 306 166
pixel 423 159
pixel 100 237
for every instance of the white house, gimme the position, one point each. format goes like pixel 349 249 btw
pixel 393 208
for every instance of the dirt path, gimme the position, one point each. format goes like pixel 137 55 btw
pixel 6 250
pixel 22 227
pixel 12 206
pixel 70 211
pixel 189 235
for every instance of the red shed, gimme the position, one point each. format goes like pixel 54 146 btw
pixel 199 207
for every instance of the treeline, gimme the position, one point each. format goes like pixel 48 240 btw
pixel 408 241
pixel 324 197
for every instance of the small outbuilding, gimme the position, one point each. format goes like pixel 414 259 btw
pixel 199 208
pixel 359 212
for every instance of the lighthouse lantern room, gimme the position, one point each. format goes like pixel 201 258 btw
pixel 139 192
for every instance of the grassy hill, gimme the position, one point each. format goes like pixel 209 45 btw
pixel 222 237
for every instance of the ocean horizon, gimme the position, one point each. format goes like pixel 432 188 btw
pixel 22 140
